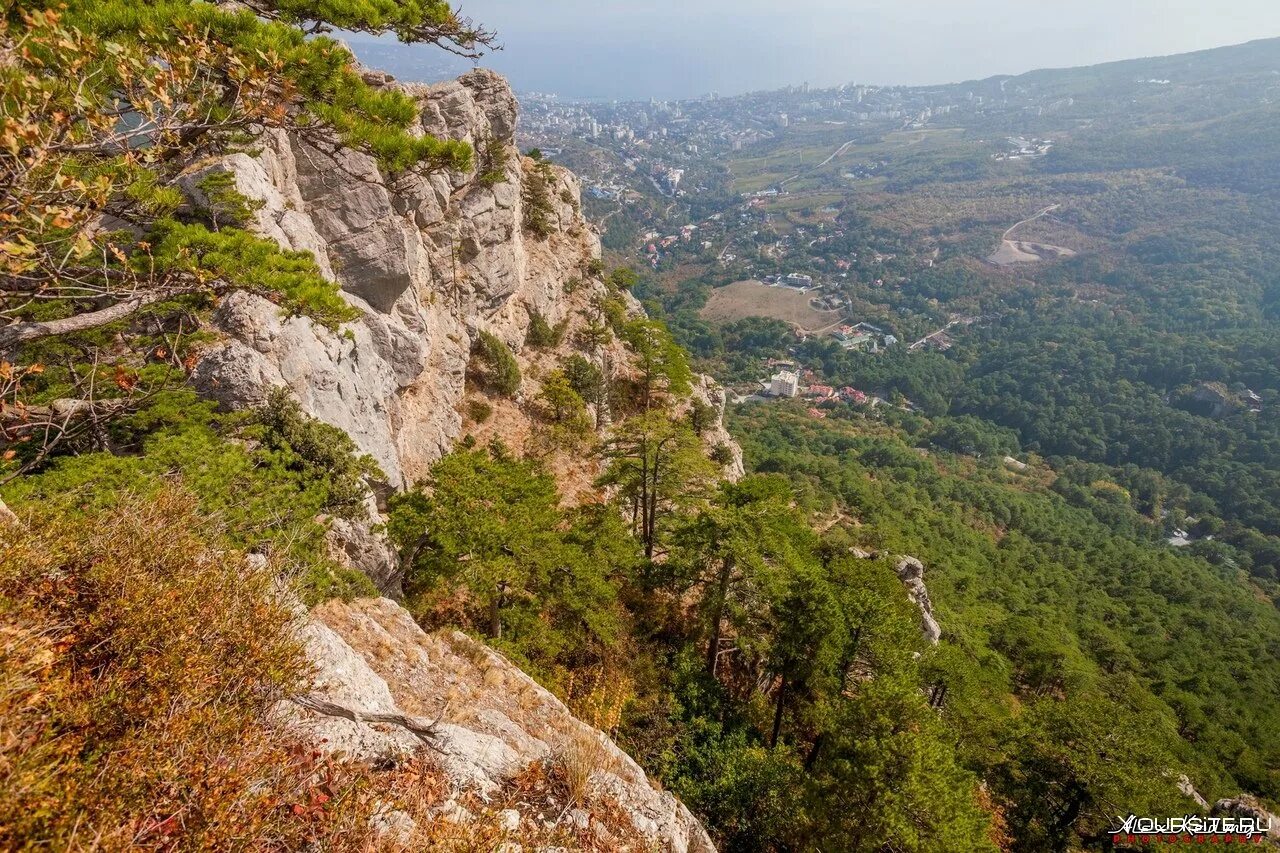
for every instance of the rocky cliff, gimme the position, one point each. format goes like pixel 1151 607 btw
pixel 485 723
pixel 429 262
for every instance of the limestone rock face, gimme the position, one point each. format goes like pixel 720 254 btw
pixel 427 260
pixel 911 573
pixel 710 392
pixel 491 720
pixel 1247 806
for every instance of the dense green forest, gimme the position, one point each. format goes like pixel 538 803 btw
pixel 1138 381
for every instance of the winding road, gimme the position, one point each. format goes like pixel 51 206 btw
pixel 834 155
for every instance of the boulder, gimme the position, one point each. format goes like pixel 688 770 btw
pixel 911 573
pixel 488 720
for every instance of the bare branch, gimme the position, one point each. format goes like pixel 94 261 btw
pixel 16 333
pixel 425 730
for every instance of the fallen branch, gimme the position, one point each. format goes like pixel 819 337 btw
pixel 30 330
pixel 426 730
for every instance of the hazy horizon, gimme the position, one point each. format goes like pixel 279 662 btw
pixel 668 50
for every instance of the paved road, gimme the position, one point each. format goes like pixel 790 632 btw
pixel 1015 226
pixel 834 155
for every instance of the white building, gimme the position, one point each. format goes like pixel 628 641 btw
pixel 785 383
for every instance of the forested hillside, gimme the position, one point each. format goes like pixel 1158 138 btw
pixel 1082 444
pixel 352 501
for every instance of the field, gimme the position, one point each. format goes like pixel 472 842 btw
pixel 814 158
pixel 744 299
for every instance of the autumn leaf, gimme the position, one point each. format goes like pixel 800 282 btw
pixel 124 379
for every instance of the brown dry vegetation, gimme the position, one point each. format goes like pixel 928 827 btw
pixel 752 299
pixel 138 665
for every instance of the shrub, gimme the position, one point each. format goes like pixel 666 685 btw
pixel 584 377
pixel 561 404
pixel 624 278
pixel 701 416
pixel 318 450
pixel 139 661
pixel 722 454
pixel 501 373
pixel 479 411
pixel 536 197
pixel 493 162
pixel 542 334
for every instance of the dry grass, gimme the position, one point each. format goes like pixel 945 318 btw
pixel 138 666
pixel 753 299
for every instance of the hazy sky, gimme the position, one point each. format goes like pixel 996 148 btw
pixel 685 48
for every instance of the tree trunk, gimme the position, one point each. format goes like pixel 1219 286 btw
pixel 812 757
pixel 495 610
pixel 777 713
pixel 651 511
pixel 722 593
pixel 16 333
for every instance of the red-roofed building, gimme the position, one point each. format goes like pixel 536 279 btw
pixel 817 414
pixel 821 391
pixel 852 395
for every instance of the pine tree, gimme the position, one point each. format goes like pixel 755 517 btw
pixel 93 227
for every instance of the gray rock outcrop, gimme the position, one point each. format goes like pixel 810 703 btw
pixel 490 721
pixel 427 260
pixel 1247 806
pixel 911 573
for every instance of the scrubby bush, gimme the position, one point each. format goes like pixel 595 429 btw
pixel 539 215
pixel 139 661
pixel 479 411
pixel 501 373
pixel 493 163
pixel 584 377
pixel 722 454
pixel 542 334
pixel 318 449
pixel 702 416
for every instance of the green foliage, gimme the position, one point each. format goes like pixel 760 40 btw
pixel 562 404
pixel 1081 616
pixel 493 163
pixel 535 195
pixel 888 777
pixel 623 278
pixel 662 361
pixel 585 378
pixel 702 416
pixel 266 492
pixel 500 371
pixel 658 468
pixel 317 450
pixel 479 410
pixel 226 204
pixel 542 334
pixel 491 526
pixel 231 258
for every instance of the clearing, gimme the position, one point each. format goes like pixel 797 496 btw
pixel 1024 251
pixel 753 298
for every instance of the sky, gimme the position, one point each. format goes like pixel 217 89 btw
pixel 638 49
